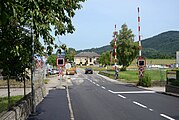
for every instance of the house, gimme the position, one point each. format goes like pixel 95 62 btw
pixel 86 58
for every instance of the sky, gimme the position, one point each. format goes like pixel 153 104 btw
pixel 95 22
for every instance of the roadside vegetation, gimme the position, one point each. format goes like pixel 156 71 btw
pixel 4 102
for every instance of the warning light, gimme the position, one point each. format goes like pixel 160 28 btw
pixel 60 62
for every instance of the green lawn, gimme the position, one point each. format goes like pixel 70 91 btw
pixel 132 75
pixel 4 102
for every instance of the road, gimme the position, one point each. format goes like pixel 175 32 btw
pixel 95 98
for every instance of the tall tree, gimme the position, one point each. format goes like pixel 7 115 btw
pixel 127 49
pixel 38 15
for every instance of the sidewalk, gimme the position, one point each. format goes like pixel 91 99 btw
pixel 55 104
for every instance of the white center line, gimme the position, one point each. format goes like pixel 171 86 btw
pixel 103 87
pixel 139 104
pixel 121 96
pixel 165 116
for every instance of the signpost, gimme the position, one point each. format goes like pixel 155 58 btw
pixel 141 62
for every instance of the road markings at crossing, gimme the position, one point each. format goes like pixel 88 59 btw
pixel 139 104
pixel 133 92
pixel 103 87
pixel 111 91
pixel 121 96
pixel 165 116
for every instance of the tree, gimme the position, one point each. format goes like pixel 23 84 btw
pixel 52 60
pixel 127 49
pixel 71 52
pixel 105 58
pixel 38 15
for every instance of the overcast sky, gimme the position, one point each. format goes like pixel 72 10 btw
pixel 94 23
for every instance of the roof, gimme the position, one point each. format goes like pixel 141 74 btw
pixel 87 54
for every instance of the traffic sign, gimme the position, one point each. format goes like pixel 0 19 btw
pixel 68 66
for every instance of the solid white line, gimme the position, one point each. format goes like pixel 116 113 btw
pixel 139 104
pixel 103 87
pixel 134 92
pixel 121 96
pixel 69 105
pixel 165 116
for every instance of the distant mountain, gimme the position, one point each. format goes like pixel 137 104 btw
pixel 163 45
pixel 166 43
pixel 99 50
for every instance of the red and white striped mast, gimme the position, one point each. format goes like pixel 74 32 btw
pixel 115 46
pixel 140 46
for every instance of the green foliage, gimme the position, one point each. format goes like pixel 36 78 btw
pixel 97 50
pixel 19 17
pixel 162 46
pixel 71 52
pixel 51 60
pixel 166 43
pixel 105 58
pixel 127 50
pixel 152 53
pixel 145 81
pixel 4 102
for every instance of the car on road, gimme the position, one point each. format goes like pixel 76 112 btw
pixel 71 70
pixel 88 71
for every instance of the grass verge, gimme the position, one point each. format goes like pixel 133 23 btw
pixel 4 102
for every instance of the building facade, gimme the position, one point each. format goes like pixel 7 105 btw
pixel 86 58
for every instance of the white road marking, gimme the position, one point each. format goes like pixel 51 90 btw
pixel 139 104
pixel 69 105
pixel 97 84
pixel 151 109
pixel 121 96
pixel 133 92
pixel 103 87
pixel 110 91
pixel 165 116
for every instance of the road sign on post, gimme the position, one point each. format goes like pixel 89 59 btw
pixel 60 62
pixel 141 63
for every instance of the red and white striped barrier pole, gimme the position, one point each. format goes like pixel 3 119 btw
pixel 115 46
pixel 140 46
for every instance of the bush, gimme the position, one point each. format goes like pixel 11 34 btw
pixel 145 81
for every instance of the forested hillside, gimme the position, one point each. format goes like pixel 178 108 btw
pixel 163 45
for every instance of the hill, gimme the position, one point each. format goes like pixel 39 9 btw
pixel 166 43
pixel 99 50
pixel 163 45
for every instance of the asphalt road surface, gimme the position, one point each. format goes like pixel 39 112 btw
pixel 95 98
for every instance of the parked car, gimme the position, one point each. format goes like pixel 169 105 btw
pixel 88 71
pixel 53 71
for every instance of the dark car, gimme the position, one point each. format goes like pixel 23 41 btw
pixel 88 71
